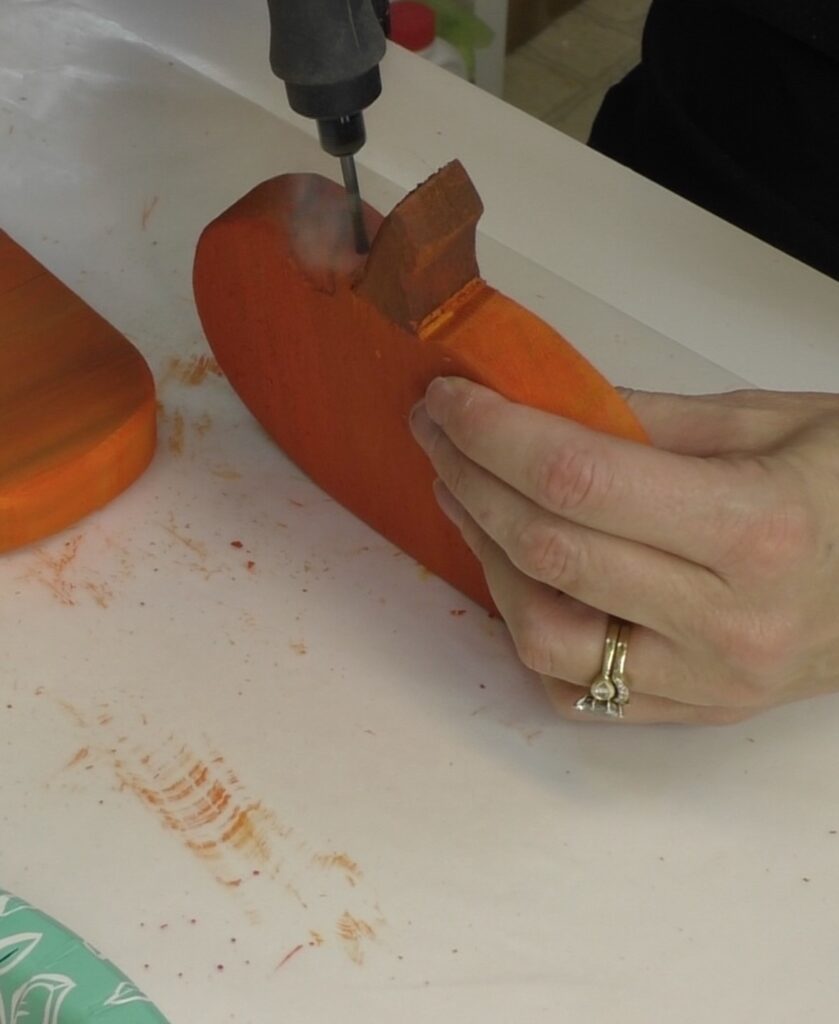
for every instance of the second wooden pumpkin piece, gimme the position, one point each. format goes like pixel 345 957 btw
pixel 77 404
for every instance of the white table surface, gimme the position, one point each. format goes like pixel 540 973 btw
pixel 437 845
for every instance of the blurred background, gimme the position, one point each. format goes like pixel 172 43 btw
pixel 562 56
pixel 554 59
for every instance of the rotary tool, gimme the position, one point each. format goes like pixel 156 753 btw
pixel 327 52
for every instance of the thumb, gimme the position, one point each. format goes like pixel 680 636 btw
pixel 735 422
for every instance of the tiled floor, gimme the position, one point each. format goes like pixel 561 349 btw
pixel 562 74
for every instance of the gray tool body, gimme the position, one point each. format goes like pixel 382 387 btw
pixel 327 52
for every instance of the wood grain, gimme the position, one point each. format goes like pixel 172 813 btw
pixel 330 350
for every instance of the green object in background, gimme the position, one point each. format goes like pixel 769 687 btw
pixel 460 27
pixel 48 975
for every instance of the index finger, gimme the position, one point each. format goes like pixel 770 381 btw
pixel 691 507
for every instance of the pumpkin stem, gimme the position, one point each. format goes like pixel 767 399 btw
pixel 424 250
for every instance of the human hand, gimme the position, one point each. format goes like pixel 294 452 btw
pixel 720 544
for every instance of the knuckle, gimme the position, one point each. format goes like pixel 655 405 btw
pixel 571 478
pixel 780 539
pixel 542 552
pixel 754 650
pixel 476 540
pixel 452 468
pixel 768 542
pixel 534 643
pixel 454 476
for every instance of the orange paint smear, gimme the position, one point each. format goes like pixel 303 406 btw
pixel 195 546
pixel 148 210
pixel 78 757
pixel 341 862
pixel 176 438
pixel 50 571
pixel 193 371
pixel 203 804
pixel 100 592
pixel 352 932
pixel 67 707
pixel 202 424
pixel 65 579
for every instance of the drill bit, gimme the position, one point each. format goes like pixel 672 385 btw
pixel 356 209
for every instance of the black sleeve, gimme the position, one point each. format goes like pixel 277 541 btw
pixel 812 22
pixel 739 112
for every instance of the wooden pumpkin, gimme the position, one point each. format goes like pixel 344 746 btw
pixel 330 350
pixel 77 404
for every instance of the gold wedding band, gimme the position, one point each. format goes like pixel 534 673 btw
pixel 609 691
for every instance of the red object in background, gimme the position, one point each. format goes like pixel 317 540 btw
pixel 412 25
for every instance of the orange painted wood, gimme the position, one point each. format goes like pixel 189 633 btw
pixel 77 404
pixel 330 350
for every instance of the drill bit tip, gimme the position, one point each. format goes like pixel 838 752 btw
pixel 350 174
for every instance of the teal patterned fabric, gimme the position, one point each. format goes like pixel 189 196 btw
pixel 48 975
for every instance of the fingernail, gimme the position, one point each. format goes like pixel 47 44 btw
pixel 438 395
pixel 421 426
pixel 449 505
